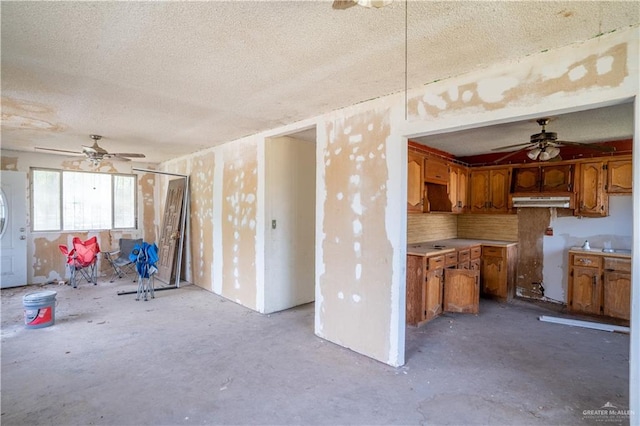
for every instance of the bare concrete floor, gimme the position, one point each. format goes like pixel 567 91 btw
pixel 189 357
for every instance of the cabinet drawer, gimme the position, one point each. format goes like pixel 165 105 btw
pixel 476 252
pixel 617 264
pixel 586 260
pixel 450 259
pixel 435 262
pixel 464 255
pixel 493 251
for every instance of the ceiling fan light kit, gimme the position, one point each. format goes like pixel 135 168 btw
pixel 545 146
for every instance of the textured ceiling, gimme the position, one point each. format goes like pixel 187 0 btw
pixel 171 78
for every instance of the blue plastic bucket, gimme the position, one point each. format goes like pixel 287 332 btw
pixel 39 309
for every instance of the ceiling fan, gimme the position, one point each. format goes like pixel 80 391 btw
pixel 545 146
pixel 95 153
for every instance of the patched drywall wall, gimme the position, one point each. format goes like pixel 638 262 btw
pixel 431 227
pixel 201 237
pixel 353 298
pixel 239 222
pixel 547 74
pixel 45 262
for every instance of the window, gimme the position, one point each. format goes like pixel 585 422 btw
pixel 80 201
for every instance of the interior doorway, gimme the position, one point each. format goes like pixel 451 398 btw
pixel 290 226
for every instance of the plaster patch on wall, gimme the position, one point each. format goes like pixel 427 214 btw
pixel 201 204
pixel 239 186
pixel 357 254
pixel 9 163
pixel 540 79
pixel 47 257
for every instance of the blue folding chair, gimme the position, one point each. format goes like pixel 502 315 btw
pixel 145 256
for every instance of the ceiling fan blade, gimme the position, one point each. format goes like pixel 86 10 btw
pixel 58 150
pixel 130 155
pixel 118 157
pixel 514 146
pixel 588 145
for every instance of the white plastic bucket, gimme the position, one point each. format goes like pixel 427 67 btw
pixel 39 309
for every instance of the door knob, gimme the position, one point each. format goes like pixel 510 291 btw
pixel 22 237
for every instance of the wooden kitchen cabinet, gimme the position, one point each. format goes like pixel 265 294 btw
pixel 415 183
pixel 599 284
pixel 461 291
pixel 458 192
pixel 619 176
pixel 499 271
pixel 592 200
pixel 585 285
pixel 548 178
pixel 424 288
pixel 489 190
pixel 436 170
pixel 616 297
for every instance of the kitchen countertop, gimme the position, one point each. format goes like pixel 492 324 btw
pixel 598 251
pixel 432 248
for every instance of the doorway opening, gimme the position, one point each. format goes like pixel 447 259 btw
pixel 290 205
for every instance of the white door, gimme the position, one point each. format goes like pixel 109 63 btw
pixel 13 229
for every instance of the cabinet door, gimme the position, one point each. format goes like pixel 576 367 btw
pixel 619 177
pixel 453 188
pixel 617 294
pixel 591 199
pixel 474 264
pixel 436 170
pixel 499 190
pixel 526 179
pixel 415 289
pixel 479 190
pixel 557 178
pixel 463 190
pixel 585 294
pixel 415 183
pixel 494 276
pixel 461 291
pixel 433 294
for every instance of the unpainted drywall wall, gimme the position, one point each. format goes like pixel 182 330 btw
pixel 354 304
pixel 201 219
pixel 239 222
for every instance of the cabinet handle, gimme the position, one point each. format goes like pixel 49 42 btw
pixel 594 280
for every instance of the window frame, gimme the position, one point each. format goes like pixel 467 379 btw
pixel 61 173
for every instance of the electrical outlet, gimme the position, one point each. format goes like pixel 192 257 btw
pixel 273 224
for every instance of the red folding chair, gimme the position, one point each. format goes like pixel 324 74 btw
pixel 82 260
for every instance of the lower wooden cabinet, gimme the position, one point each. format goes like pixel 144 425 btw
pixel 461 291
pixel 499 271
pixel 599 285
pixel 616 286
pixel 424 289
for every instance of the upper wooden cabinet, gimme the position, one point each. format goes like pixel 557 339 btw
pixel 458 188
pixel 619 176
pixel 591 196
pixel 436 170
pixel 547 178
pixel 415 183
pixel 489 191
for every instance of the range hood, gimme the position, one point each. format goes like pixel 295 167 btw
pixel 542 201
